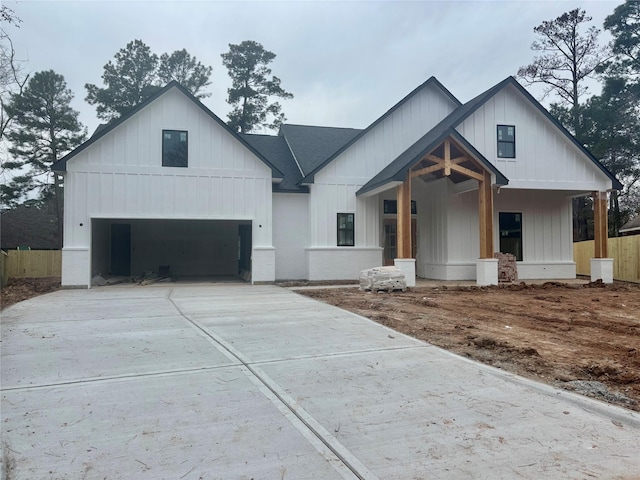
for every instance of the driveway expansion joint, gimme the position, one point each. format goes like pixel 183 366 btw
pixel 303 422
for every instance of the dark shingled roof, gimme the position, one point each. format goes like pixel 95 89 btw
pixel 311 145
pixel 275 149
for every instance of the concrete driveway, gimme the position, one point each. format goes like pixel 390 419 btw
pixel 257 382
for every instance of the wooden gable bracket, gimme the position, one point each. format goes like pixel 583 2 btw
pixel 447 165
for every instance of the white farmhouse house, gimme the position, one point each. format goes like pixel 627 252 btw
pixel 433 186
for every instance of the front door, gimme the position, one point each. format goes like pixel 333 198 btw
pixel 390 226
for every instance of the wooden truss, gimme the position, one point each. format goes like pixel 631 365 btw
pixel 439 163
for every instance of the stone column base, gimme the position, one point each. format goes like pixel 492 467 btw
pixel 487 271
pixel 408 267
pixel 602 269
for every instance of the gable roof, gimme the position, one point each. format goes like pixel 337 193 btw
pixel 101 131
pixel 397 170
pixel 433 81
pixel 615 183
pixel 311 145
pixel 632 225
pixel 275 149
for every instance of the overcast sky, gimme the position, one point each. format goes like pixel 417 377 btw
pixel 345 62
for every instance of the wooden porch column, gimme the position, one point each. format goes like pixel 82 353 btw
pixel 485 214
pixel 600 224
pixel 404 219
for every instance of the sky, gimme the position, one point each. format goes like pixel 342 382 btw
pixel 346 62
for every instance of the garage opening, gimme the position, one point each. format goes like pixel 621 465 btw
pixel 220 249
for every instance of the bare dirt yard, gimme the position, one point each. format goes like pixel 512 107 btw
pixel 584 338
pixel 19 289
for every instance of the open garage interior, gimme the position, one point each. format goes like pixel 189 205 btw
pixel 175 248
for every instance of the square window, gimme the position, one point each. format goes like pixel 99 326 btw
pixel 346 230
pixel 506 141
pixel 174 148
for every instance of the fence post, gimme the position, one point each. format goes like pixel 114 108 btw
pixel 4 270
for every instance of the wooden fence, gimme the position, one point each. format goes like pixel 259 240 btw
pixel 33 263
pixel 625 252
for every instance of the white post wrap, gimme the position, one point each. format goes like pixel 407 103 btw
pixel 487 271
pixel 408 267
pixel 602 269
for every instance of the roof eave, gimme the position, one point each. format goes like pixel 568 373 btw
pixel 61 165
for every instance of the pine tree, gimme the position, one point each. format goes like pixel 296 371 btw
pixel 252 85
pixel 44 129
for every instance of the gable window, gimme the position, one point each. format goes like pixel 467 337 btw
pixel 174 148
pixel 346 230
pixel 506 141
pixel 510 225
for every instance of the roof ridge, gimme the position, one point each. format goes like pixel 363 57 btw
pixel 431 80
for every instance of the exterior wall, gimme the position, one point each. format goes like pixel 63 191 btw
pixel 291 235
pixel 335 186
pixel 545 158
pixel 448 232
pixel 263 265
pixel 341 263
pixel 432 203
pixel 121 176
pixel 547 236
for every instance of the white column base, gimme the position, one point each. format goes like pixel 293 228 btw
pixel 602 269
pixel 487 271
pixel 408 267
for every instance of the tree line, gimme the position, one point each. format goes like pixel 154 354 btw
pixel 39 126
pixel 569 54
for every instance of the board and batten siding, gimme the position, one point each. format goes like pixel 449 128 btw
pixel 545 158
pixel 291 235
pixel 448 238
pixel 335 186
pixel 121 176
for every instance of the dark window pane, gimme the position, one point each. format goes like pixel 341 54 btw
pixel 346 235
pixel 506 141
pixel 391 207
pixel 510 225
pixel 174 148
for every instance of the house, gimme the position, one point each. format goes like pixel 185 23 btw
pixel 632 227
pixel 433 186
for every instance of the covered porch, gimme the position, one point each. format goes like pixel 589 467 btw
pixel 447 224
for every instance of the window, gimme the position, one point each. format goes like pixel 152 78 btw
pixel 391 207
pixel 174 148
pixel 345 230
pixel 506 141
pixel 510 225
